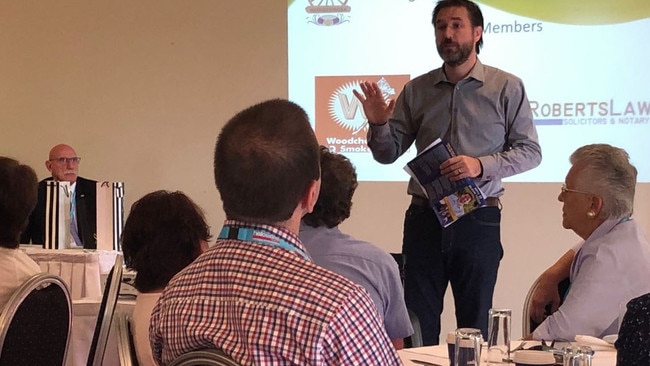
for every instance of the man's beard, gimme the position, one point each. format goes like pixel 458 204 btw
pixel 454 57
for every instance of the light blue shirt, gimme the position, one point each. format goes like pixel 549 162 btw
pixel 611 267
pixel 364 264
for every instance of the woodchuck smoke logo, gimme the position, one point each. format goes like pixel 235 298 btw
pixel 344 110
pixel 340 123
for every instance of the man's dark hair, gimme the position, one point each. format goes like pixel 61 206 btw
pixel 162 235
pixel 338 183
pixel 473 10
pixel 265 159
pixel 18 194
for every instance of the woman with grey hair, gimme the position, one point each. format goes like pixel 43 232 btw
pixel 611 265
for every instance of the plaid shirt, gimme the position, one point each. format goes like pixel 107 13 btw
pixel 267 305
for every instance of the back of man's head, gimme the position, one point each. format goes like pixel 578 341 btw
pixel 18 192
pixel 338 183
pixel 265 160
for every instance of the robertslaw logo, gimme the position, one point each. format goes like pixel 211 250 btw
pixel 340 123
pixel 328 13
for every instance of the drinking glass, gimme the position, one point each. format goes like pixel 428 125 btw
pixel 498 347
pixel 578 356
pixel 468 347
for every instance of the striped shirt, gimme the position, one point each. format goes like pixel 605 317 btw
pixel 268 305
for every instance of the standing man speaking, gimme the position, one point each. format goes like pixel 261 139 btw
pixel 485 115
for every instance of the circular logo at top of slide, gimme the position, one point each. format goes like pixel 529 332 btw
pixel 583 12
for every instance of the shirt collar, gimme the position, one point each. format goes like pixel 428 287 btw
pixel 603 229
pixel 477 73
pixel 284 233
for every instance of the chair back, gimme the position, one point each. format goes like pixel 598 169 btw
pixel 414 340
pixel 204 357
pixel 400 259
pixel 35 324
pixel 125 345
pixel 528 325
pixel 106 311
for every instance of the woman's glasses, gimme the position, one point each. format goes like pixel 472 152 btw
pixel 565 190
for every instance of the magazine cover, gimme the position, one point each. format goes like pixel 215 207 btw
pixel 450 200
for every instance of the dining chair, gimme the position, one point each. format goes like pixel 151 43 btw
pixel 204 357
pixel 35 323
pixel 528 325
pixel 415 340
pixel 106 312
pixel 125 345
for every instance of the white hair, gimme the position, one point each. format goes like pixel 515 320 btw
pixel 606 172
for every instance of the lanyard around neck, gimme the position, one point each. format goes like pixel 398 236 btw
pixel 261 237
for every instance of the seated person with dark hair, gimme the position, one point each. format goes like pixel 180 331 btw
pixel 18 184
pixel 165 231
pixel 359 261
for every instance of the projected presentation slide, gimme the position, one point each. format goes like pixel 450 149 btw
pixel 585 66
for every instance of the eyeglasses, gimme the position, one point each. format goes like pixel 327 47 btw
pixel 73 160
pixel 565 190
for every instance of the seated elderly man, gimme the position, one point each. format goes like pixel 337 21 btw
pixel 357 260
pixel 611 265
pixel 18 184
pixel 63 163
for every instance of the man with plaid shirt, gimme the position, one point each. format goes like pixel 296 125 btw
pixel 256 294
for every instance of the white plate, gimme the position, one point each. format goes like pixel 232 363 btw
pixel 596 344
pixel 610 338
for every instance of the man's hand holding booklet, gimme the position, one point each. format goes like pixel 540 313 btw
pixel 450 200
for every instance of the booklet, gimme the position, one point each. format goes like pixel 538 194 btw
pixel 450 200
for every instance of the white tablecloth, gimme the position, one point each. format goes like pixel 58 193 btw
pixel 84 318
pixel 80 269
pixel 438 355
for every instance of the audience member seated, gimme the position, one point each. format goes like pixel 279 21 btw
pixel 256 294
pixel 357 260
pixel 18 184
pixel 633 343
pixel 164 232
pixel 63 164
pixel 610 266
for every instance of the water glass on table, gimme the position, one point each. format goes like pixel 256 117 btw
pixel 499 326
pixel 467 348
pixel 578 356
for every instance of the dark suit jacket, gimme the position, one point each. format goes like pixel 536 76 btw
pixel 86 200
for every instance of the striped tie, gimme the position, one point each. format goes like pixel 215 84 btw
pixel 73 221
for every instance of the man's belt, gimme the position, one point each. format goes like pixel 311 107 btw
pixel 489 201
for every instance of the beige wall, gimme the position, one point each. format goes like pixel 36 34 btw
pixel 141 87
